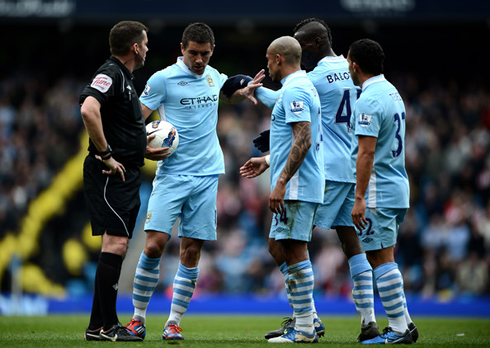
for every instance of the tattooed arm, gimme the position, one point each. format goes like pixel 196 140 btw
pixel 299 150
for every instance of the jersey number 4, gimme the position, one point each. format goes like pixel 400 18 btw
pixel 341 116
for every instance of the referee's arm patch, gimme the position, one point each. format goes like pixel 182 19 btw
pixel 102 83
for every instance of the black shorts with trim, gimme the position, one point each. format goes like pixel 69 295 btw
pixel 113 204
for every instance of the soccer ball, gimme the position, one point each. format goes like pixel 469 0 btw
pixel 166 135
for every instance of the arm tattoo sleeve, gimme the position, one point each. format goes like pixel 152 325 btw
pixel 299 150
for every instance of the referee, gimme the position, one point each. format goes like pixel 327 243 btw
pixel 114 121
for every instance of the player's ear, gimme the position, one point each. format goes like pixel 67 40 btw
pixel 182 48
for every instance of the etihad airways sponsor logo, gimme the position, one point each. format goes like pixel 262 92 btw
pixel 199 101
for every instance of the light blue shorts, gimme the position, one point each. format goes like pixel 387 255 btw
pixel 382 229
pixel 337 205
pixel 296 223
pixel 190 198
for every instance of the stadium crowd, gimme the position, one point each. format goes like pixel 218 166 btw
pixel 444 243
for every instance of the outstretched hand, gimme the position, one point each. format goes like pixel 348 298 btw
pixel 254 167
pixel 249 91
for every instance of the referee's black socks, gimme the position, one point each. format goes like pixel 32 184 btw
pixel 108 272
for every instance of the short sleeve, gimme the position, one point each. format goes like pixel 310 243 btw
pixel 296 103
pixel 222 79
pixel 155 92
pixel 104 85
pixel 367 117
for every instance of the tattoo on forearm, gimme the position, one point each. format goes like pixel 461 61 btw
pixel 299 150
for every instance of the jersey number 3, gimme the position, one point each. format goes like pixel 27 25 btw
pixel 398 137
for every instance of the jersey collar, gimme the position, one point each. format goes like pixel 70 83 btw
pixel 374 79
pixel 332 59
pixel 292 76
pixel 181 64
pixel 122 67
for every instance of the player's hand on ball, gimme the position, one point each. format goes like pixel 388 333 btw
pixel 156 154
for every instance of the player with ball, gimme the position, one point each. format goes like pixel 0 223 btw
pixel 185 94
pixel 165 135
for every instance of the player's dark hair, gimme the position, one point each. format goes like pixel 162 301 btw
pixel 198 32
pixel 369 55
pixel 124 34
pixel 311 20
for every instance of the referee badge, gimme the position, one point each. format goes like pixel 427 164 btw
pixel 102 83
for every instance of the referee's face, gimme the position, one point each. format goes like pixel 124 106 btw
pixel 197 55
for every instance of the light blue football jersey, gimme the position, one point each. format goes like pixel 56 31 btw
pixel 189 102
pixel 337 94
pixel 380 112
pixel 298 101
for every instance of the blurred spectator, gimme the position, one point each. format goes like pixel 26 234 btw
pixel 445 240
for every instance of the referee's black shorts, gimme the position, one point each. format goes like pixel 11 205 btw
pixel 113 204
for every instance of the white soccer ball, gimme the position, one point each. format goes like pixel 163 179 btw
pixel 166 135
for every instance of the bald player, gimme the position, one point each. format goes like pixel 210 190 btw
pixel 297 179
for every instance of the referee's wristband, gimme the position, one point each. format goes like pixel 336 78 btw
pixel 268 160
pixel 107 153
pixel 106 157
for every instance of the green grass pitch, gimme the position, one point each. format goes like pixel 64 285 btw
pixel 208 331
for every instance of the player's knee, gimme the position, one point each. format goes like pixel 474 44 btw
pixel 155 243
pixel 190 255
pixel 154 249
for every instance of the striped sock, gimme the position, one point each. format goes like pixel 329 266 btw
pixel 363 289
pixel 300 284
pixel 145 281
pixel 285 274
pixel 390 287
pixel 184 286
pixel 407 315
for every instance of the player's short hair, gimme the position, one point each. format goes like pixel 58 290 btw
pixel 311 20
pixel 369 55
pixel 198 32
pixel 124 34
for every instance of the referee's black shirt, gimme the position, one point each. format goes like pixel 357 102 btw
pixel 122 118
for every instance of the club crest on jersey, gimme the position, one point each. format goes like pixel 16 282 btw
pixel 364 120
pixel 297 106
pixel 146 91
pixel 101 82
pixel 210 80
